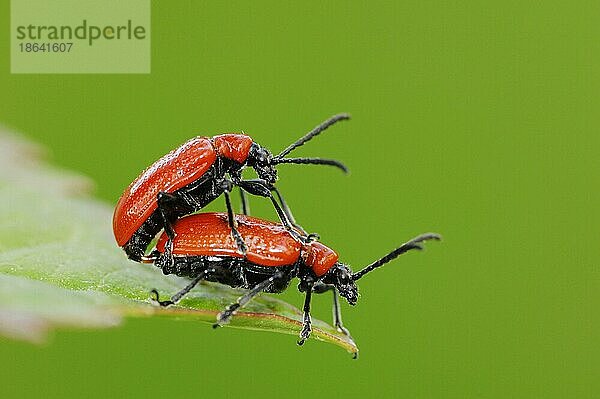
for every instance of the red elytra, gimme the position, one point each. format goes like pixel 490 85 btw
pixel 175 170
pixel 269 243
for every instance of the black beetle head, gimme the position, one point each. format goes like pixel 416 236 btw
pixel 340 276
pixel 260 159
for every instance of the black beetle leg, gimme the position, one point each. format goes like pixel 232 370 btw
pixel 306 239
pixel 261 188
pixel 320 288
pixel 337 315
pixel 287 211
pixel 225 316
pixel 165 202
pixel 177 297
pixel 244 200
pixel 241 245
pixel 236 177
pixel 306 320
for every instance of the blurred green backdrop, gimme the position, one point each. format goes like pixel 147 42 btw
pixel 477 120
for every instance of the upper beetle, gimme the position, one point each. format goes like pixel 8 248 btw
pixel 204 250
pixel 194 174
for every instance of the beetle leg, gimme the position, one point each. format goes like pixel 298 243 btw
pixel 241 245
pixel 263 189
pixel 320 288
pixel 337 315
pixel 165 202
pixel 287 211
pixel 236 177
pixel 304 239
pixel 306 320
pixel 224 316
pixel 245 205
pixel 177 297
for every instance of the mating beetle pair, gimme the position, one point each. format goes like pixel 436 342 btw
pixel 236 250
pixel 190 177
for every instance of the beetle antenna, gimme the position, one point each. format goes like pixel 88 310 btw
pixel 312 133
pixel 312 161
pixel 415 243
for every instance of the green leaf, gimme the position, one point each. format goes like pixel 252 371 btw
pixel 60 265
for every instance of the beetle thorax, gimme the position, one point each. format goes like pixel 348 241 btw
pixel 323 262
pixel 233 146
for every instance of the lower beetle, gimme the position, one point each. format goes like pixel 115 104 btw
pixel 203 249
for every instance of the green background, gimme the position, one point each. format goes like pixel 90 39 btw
pixel 477 120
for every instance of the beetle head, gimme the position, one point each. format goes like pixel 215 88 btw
pixel 261 160
pixel 340 276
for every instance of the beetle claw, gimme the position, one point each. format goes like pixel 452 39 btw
pixel 239 241
pixel 157 300
pixel 224 316
pixel 304 334
pixel 312 237
pixel 241 247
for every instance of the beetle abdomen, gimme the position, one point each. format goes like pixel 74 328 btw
pixel 234 272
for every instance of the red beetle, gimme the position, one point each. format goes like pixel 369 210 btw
pixel 194 174
pixel 204 250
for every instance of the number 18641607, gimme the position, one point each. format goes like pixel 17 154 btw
pixel 45 47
